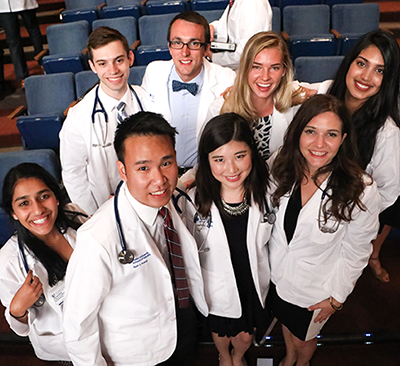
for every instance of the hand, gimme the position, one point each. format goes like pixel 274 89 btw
pixel 26 296
pixel 307 93
pixel 326 310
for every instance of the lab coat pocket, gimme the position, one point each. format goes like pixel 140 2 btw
pixel 131 337
pixel 216 293
pixel 327 233
pixel 308 274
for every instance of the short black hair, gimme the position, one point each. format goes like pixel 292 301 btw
pixel 141 124
pixel 191 17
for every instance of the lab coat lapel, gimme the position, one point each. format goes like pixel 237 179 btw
pixel 207 95
pixel 134 229
pixel 312 206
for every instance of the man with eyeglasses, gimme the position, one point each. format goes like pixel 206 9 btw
pixel 183 89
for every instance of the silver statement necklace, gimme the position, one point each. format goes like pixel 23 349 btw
pixel 235 210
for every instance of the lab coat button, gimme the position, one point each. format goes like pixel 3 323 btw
pixel 173 319
pixel 170 298
pixel 166 276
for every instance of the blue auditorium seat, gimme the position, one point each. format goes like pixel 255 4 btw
pixel 66 43
pixel 47 97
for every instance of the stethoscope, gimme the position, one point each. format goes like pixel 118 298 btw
pixel 325 229
pixel 201 223
pixel 41 300
pixel 126 256
pixel 101 109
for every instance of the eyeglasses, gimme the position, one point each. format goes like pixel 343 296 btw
pixel 192 45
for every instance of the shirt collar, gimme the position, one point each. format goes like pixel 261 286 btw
pixel 110 103
pixel 199 79
pixel 146 213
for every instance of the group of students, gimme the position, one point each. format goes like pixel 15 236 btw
pixel 292 235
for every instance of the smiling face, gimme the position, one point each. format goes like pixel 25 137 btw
pixel 111 64
pixel 320 140
pixel 265 75
pixel 188 63
pixel 150 170
pixel 231 164
pixel 35 206
pixel 365 75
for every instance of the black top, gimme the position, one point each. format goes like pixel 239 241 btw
pixel 252 310
pixel 292 213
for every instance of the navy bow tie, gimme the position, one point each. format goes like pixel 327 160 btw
pixel 192 88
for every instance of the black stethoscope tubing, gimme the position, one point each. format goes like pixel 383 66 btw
pixel 97 102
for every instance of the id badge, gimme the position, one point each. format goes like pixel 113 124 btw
pixel 56 293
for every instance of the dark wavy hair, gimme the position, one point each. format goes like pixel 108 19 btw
pixel 51 260
pixel 219 131
pixel 371 116
pixel 345 183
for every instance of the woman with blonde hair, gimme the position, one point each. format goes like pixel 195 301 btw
pixel 263 91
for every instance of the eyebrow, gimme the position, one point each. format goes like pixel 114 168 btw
pixel 236 153
pixel 366 60
pixel 146 161
pixel 275 64
pixel 115 58
pixel 37 194
pixel 191 39
pixel 330 130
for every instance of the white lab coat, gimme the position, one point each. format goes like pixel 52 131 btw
pixel 124 314
pixel 12 6
pixel 155 83
pixel 280 122
pixel 316 265
pixel 44 327
pixel 242 21
pixel 90 173
pixel 384 166
pixel 219 279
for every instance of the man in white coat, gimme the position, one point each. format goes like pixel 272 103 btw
pixel 88 158
pixel 240 20
pixel 182 89
pixel 132 311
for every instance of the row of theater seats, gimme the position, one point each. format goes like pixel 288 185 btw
pixel 46 158
pixel 314 30
pixel 67 41
pixel 48 96
pixel 91 10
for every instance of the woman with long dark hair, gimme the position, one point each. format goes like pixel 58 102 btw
pixel 327 216
pixel 232 232
pixel 368 82
pixel 34 260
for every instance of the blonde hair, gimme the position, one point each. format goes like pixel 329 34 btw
pixel 238 98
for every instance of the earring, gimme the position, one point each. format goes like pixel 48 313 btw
pixel 15 217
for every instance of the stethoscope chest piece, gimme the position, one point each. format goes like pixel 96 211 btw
pixel 40 301
pixel 270 217
pixel 125 256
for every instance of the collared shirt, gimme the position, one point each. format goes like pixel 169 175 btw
pixel 184 111
pixel 154 224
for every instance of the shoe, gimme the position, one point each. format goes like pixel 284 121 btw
pixel 381 276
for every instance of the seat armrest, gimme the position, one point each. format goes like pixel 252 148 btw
pixel 135 44
pixel 41 54
pixel 336 33
pixel 19 111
